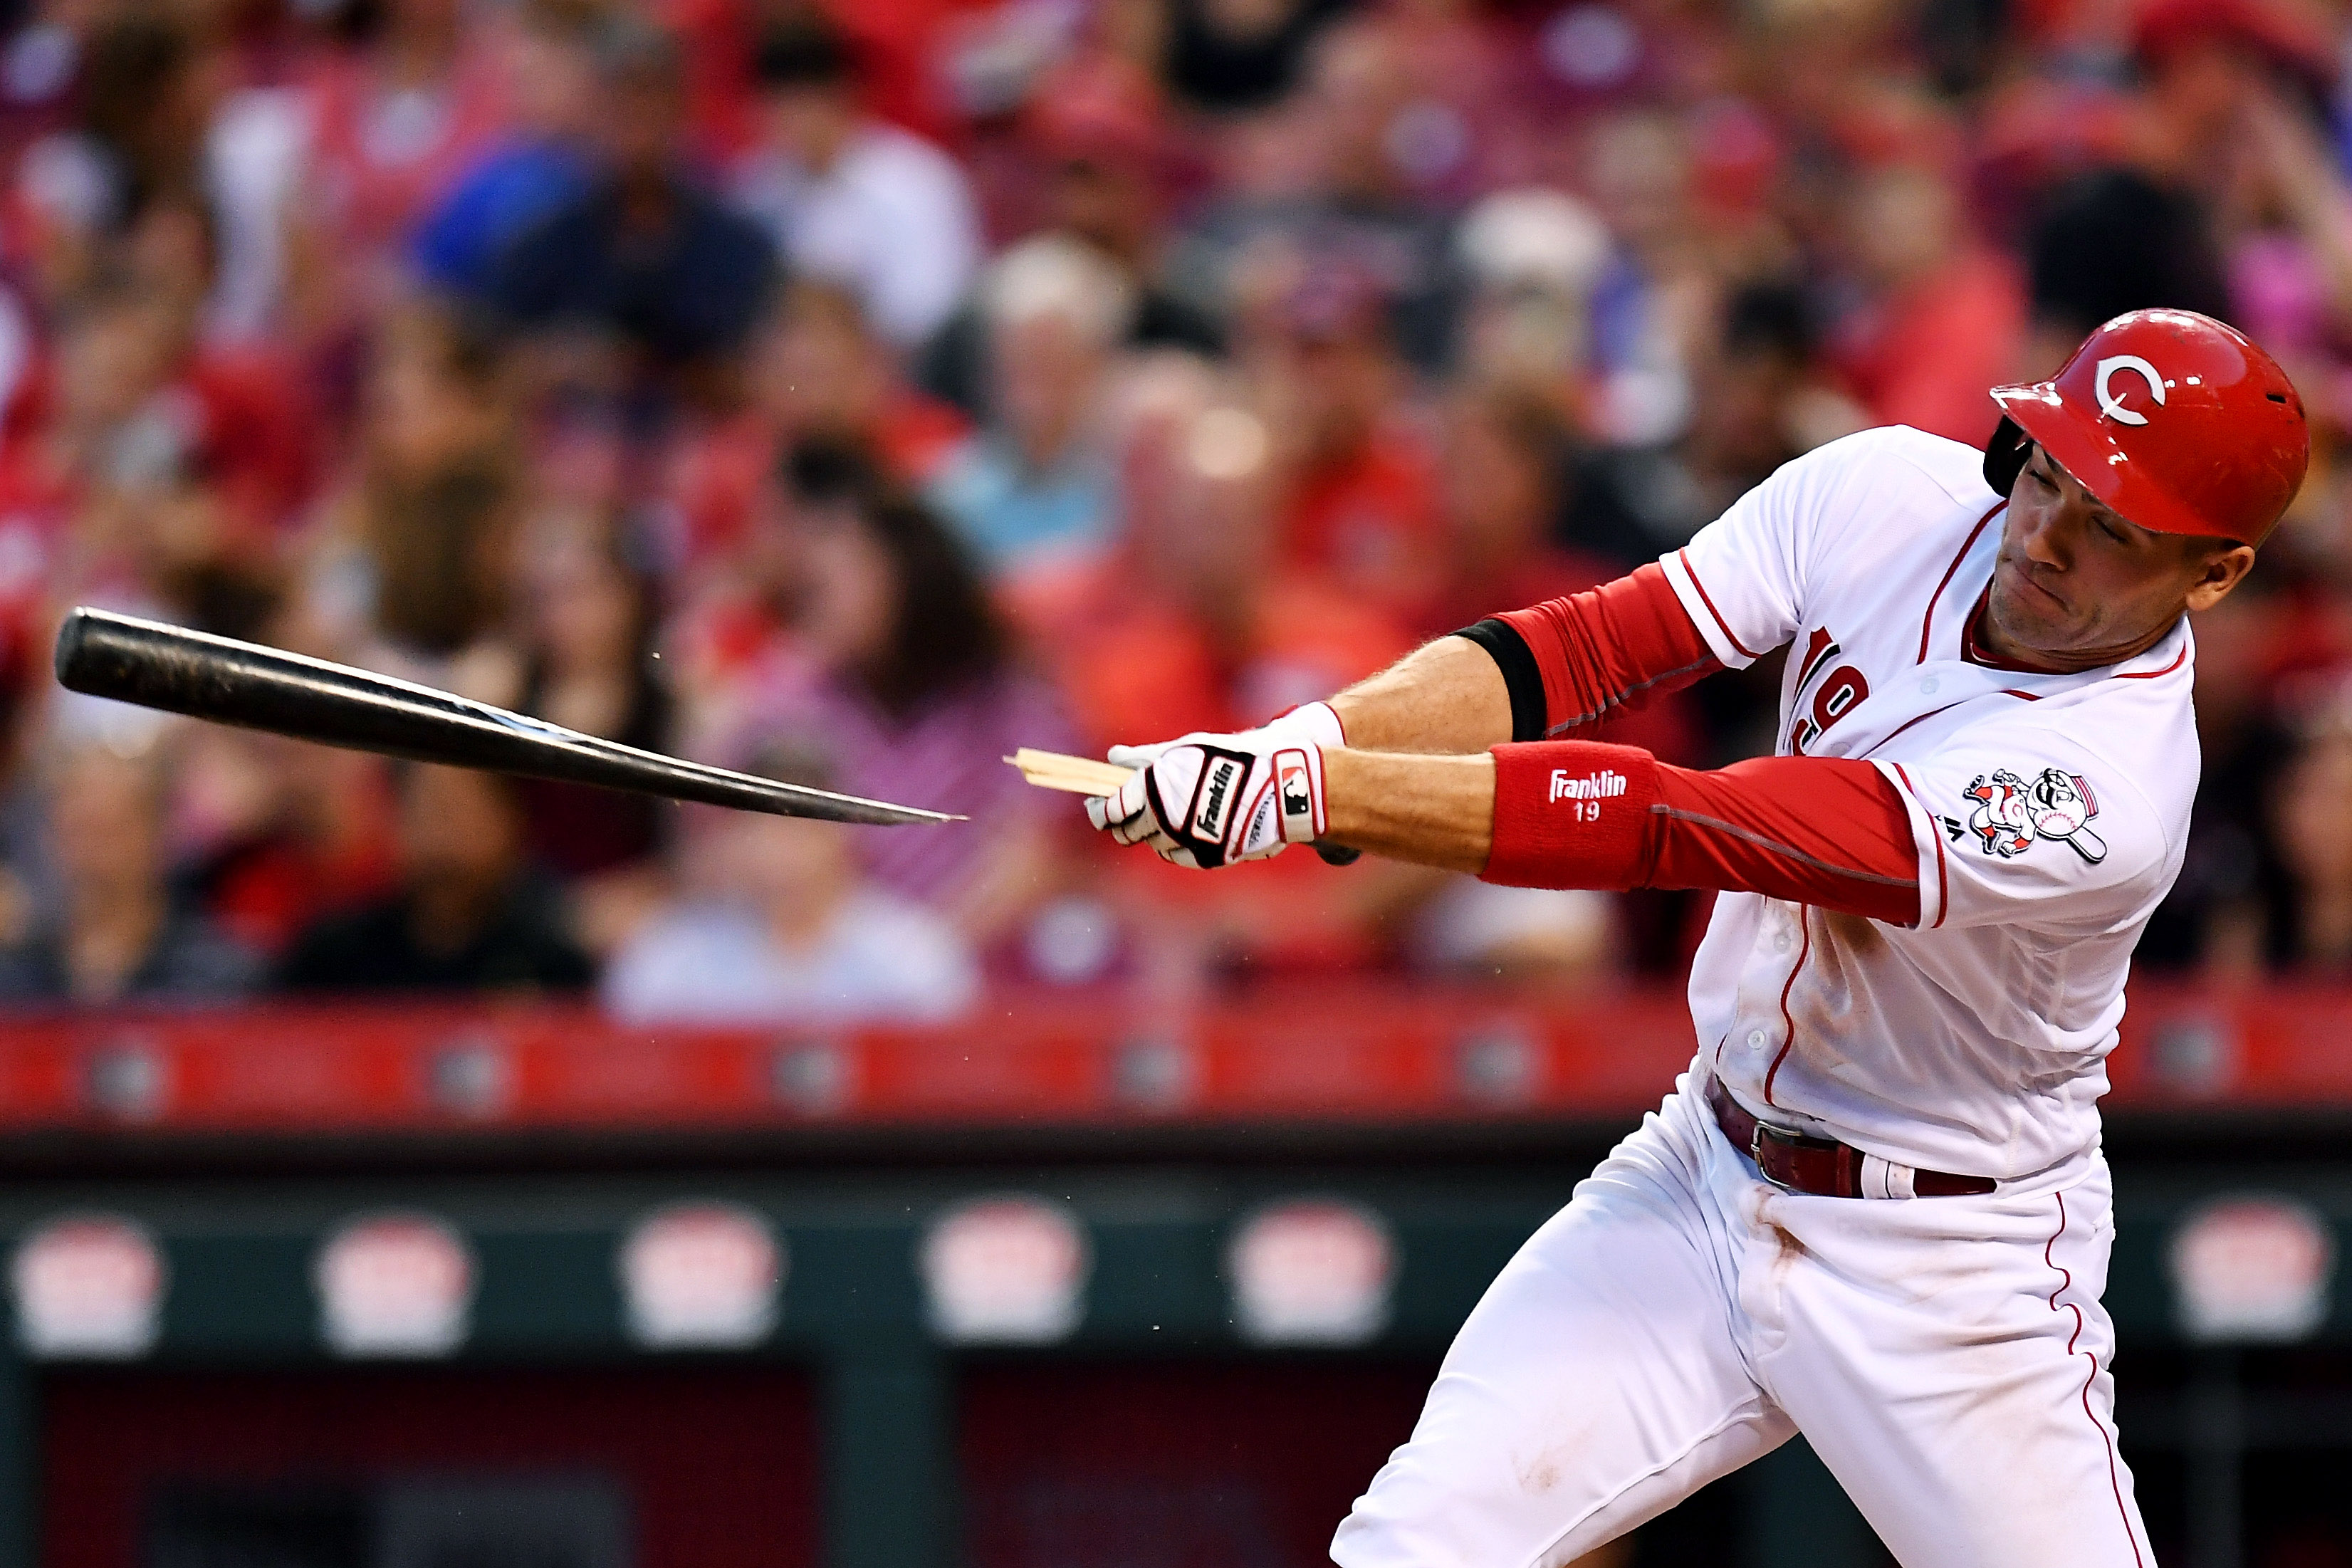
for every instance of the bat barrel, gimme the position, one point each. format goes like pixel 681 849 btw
pixel 231 682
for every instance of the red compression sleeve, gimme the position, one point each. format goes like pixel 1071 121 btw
pixel 1612 647
pixel 1828 831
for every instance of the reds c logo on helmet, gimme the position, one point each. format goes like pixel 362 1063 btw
pixel 2110 404
pixel 2176 420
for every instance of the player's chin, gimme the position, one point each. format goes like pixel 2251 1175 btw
pixel 2023 622
pixel 2017 590
pixel 2050 638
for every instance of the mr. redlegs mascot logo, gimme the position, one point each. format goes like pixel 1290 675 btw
pixel 2011 814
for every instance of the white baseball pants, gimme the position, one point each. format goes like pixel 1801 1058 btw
pixel 1947 1358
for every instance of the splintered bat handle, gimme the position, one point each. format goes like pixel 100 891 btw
pixel 1083 776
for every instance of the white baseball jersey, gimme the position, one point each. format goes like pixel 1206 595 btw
pixel 1947 1356
pixel 2051 812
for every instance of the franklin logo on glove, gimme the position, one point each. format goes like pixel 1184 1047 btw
pixel 1224 770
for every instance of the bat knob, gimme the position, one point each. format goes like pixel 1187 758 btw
pixel 1339 854
pixel 72 658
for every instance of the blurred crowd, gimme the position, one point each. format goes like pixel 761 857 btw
pixel 854 393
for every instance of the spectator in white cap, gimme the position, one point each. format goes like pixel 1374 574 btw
pixel 1036 483
pixel 1534 258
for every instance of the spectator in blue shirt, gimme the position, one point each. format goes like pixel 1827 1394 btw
pixel 645 262
pixel 544 165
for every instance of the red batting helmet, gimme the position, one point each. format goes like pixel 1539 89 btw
pixel 2178 422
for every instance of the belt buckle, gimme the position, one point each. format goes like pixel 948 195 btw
pixel 1756 1151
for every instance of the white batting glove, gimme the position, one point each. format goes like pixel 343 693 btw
pixel 1206 800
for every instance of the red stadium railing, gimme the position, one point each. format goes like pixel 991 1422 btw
pixel 1352 1056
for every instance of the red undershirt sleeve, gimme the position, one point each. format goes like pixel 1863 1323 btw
pixel 1610 648
pixel 1827 831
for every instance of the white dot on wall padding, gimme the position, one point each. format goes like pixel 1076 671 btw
pixel 394 1285
pixel 2252 1267
pixel 1311 1271
pixel 702 1276
pixel 89 1286
pixel 1008 1270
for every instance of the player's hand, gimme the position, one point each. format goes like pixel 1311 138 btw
pixel 1208 800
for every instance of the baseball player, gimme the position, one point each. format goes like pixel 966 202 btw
pixel 1875 1209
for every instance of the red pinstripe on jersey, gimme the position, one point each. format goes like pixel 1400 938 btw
pixel 1788 1022
pixel 1927 622
pixel 2065 1283
pixel 1708 600
pixel 2178 660
pixel 1943 881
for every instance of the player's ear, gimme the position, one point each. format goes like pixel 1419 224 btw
pixel 2005 456
pixel 2224 569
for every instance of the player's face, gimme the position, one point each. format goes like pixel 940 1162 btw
pixel 2076 586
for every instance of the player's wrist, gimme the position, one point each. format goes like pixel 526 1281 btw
pixel 1315 724
pixel 1295 778
pixel 1410 806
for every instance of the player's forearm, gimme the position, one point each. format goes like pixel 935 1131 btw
pixel 1551 668
pixel 1430 811
pixel 1447 697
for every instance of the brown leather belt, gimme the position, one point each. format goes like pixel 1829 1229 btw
pixel 1820 1166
